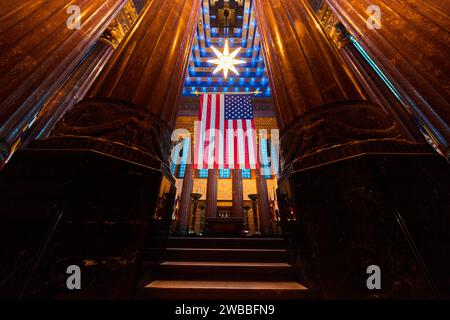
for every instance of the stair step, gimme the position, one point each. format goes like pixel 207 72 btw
pixel 227 243
pixel 217 254
pixel 224 270
pixel 225 290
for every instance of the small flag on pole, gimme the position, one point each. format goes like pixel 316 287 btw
pixel 225 135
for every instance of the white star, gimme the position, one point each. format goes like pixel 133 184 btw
pixel 226 61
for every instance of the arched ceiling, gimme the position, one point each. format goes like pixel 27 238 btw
pixel 242 33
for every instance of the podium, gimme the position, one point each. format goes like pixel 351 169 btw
pixel 223 227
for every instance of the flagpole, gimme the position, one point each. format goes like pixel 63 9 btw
pixel 214 92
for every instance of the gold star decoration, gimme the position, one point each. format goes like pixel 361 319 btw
pixel 226 61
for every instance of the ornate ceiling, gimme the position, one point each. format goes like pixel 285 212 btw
pixel 212 30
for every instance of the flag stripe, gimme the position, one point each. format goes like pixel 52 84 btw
pixel 225 135
pixel 217 131
pixel 201 133
pixel 231 153
pixel 245 132
pixel 197 133
pixel 206 133
pixel 204 127
pixel 255 146
pixel 236 144
pixel 221 130
pixel 226 156
pixel 212 114
pixel 252 145
pixel 241 144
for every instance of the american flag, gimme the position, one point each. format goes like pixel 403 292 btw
pixel 225 135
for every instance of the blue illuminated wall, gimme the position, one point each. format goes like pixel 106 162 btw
pixel 244 34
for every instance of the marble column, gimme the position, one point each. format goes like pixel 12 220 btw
pixel 376 89
pixel 37 54
pixel 318 101
pixel 164 33
pixel 304 68
pixel 265 218
pixel 73 90
pixel 211 194
pixel 411 48
pixel 237 193
pixel 345 164
pixel 109 154
pixel 131 107
pixel 379 93
pixel 185 198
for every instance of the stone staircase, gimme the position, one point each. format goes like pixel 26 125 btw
pixel 225 269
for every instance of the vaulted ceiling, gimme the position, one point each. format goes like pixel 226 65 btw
pixel 221 20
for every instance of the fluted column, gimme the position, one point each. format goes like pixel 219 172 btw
pixel 304 67
pixel 130 109
pixel 379 92
pixel 73 90
pixel 38 52
pixel 344 166
pixel 318 102
pixel 238 193
pixel 265 219
pixel 185 198
pixel 411 47
pixel 211 194
pixel 149 67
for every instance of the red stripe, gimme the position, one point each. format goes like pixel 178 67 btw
pixel 235 143
pixel 226 164
pixel 206 142
pixel 246 150
pixel 217 133
pixel 197 133
pixel 201 107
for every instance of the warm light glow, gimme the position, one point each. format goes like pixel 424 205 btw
pixel 226 61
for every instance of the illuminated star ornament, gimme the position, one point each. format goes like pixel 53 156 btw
pixel 226 61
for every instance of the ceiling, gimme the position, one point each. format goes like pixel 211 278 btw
pixel 239 16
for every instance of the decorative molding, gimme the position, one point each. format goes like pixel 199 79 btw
pixel 332 25
pixel 120 26
pixel 187 122
pixel 117 122
pixel 335 124
pixel 263 106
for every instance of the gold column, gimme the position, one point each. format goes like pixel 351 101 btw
pixel 237 193
pixel 304 68
pixel 72 91
pixel 129 111
pixel 185 198
pixel 211 194
pixel 37 54
pixel 265 219
pixel 79 82
pixel 318 102
pixel 411 47
pixel 149 67
pixel 376 89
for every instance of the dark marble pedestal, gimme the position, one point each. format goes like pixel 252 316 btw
pixel 389 210
pixel 224 227
pixel 84 208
